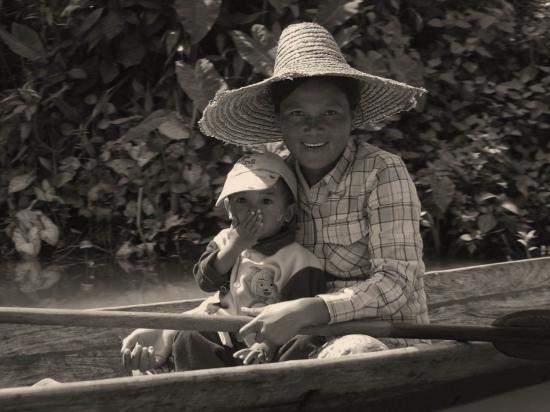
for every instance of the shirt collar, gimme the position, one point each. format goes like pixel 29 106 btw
pixel 273 244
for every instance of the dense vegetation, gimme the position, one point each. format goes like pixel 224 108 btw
pixel 99 103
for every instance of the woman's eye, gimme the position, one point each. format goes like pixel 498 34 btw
pixel 331 112
pixel 267 201
pixel 295 113
pixel 240 200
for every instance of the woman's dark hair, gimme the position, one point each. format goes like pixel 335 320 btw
pixel 349 86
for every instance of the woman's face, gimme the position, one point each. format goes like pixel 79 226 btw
pixel 315 121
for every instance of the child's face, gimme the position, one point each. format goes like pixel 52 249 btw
pixel 315 120
pixel 272 203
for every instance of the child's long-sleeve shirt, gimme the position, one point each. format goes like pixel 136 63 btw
pixel 274 270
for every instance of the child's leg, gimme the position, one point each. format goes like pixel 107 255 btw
pixel 201 350
pixel 311 347
pixel 300 347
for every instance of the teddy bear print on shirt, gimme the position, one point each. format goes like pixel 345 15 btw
pixel 262 287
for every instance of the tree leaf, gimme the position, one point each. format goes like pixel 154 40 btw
pixel 372 62
pixel 27 243
pixel 20 182
pixel 23 41
pixel 262 35
pixel 174 128
pixel 122 166
pixel 131 51
pixel 333 13
pixel 436 23
pixel 523 183
pixel 443 190
pixel 197 16
pixel 77 73
pixel 171 221
pixel 171 40
pixel 108 70
pixel 486 222
pixel 201 82
pixel 347 35
pixel 146 126
pixel 74 5
pixel 140 153
pixel 486 20
pixel 280 5
pixel 252 50
pixel 192 173
pixel 90 20
pixel 407 70
pixel 510 206
pixel 147 207
pixel 49 232
pixel 125 251
pixel 112 25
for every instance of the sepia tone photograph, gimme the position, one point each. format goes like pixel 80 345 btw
pixel 275 205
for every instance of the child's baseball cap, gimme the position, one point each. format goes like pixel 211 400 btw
pixel 258 171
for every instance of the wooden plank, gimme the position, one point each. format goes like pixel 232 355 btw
pixel 68 354
pixel 480 294
pixel 303 385
pixel 486 281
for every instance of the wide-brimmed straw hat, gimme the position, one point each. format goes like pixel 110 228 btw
pixel 246 116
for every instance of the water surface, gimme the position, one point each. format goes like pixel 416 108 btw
pixel 85 284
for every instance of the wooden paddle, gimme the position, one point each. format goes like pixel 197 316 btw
pixel 524 334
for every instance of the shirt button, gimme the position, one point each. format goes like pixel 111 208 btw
pixel 236 284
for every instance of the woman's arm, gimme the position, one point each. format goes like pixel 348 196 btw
pixel 394 245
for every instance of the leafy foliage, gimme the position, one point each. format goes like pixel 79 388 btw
pixel 100 100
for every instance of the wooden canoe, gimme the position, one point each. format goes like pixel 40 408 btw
pixel 428 377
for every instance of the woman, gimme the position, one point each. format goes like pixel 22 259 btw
pixel 358 208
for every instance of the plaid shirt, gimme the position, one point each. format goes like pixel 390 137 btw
pixel 362 221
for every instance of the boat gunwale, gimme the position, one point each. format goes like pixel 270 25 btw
pixel 441 348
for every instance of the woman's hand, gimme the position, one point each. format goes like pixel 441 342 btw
pixel 279 322
pixel 146 349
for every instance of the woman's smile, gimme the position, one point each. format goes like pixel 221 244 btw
pixel 314 145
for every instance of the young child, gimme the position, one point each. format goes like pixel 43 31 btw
pixel 253 263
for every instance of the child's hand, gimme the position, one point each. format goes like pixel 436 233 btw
pixel 257 353
pixel 248 231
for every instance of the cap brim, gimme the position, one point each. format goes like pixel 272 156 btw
pixel 249 180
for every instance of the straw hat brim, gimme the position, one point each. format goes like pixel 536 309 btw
pixel 246 116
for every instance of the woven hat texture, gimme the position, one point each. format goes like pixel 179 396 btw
pixel 245 116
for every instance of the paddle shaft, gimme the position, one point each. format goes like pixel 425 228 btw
pixel 379 329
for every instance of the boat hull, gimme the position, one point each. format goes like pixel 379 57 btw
pixel 426 377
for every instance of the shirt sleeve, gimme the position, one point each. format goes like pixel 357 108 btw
pixel 394 244
pixel 206 276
